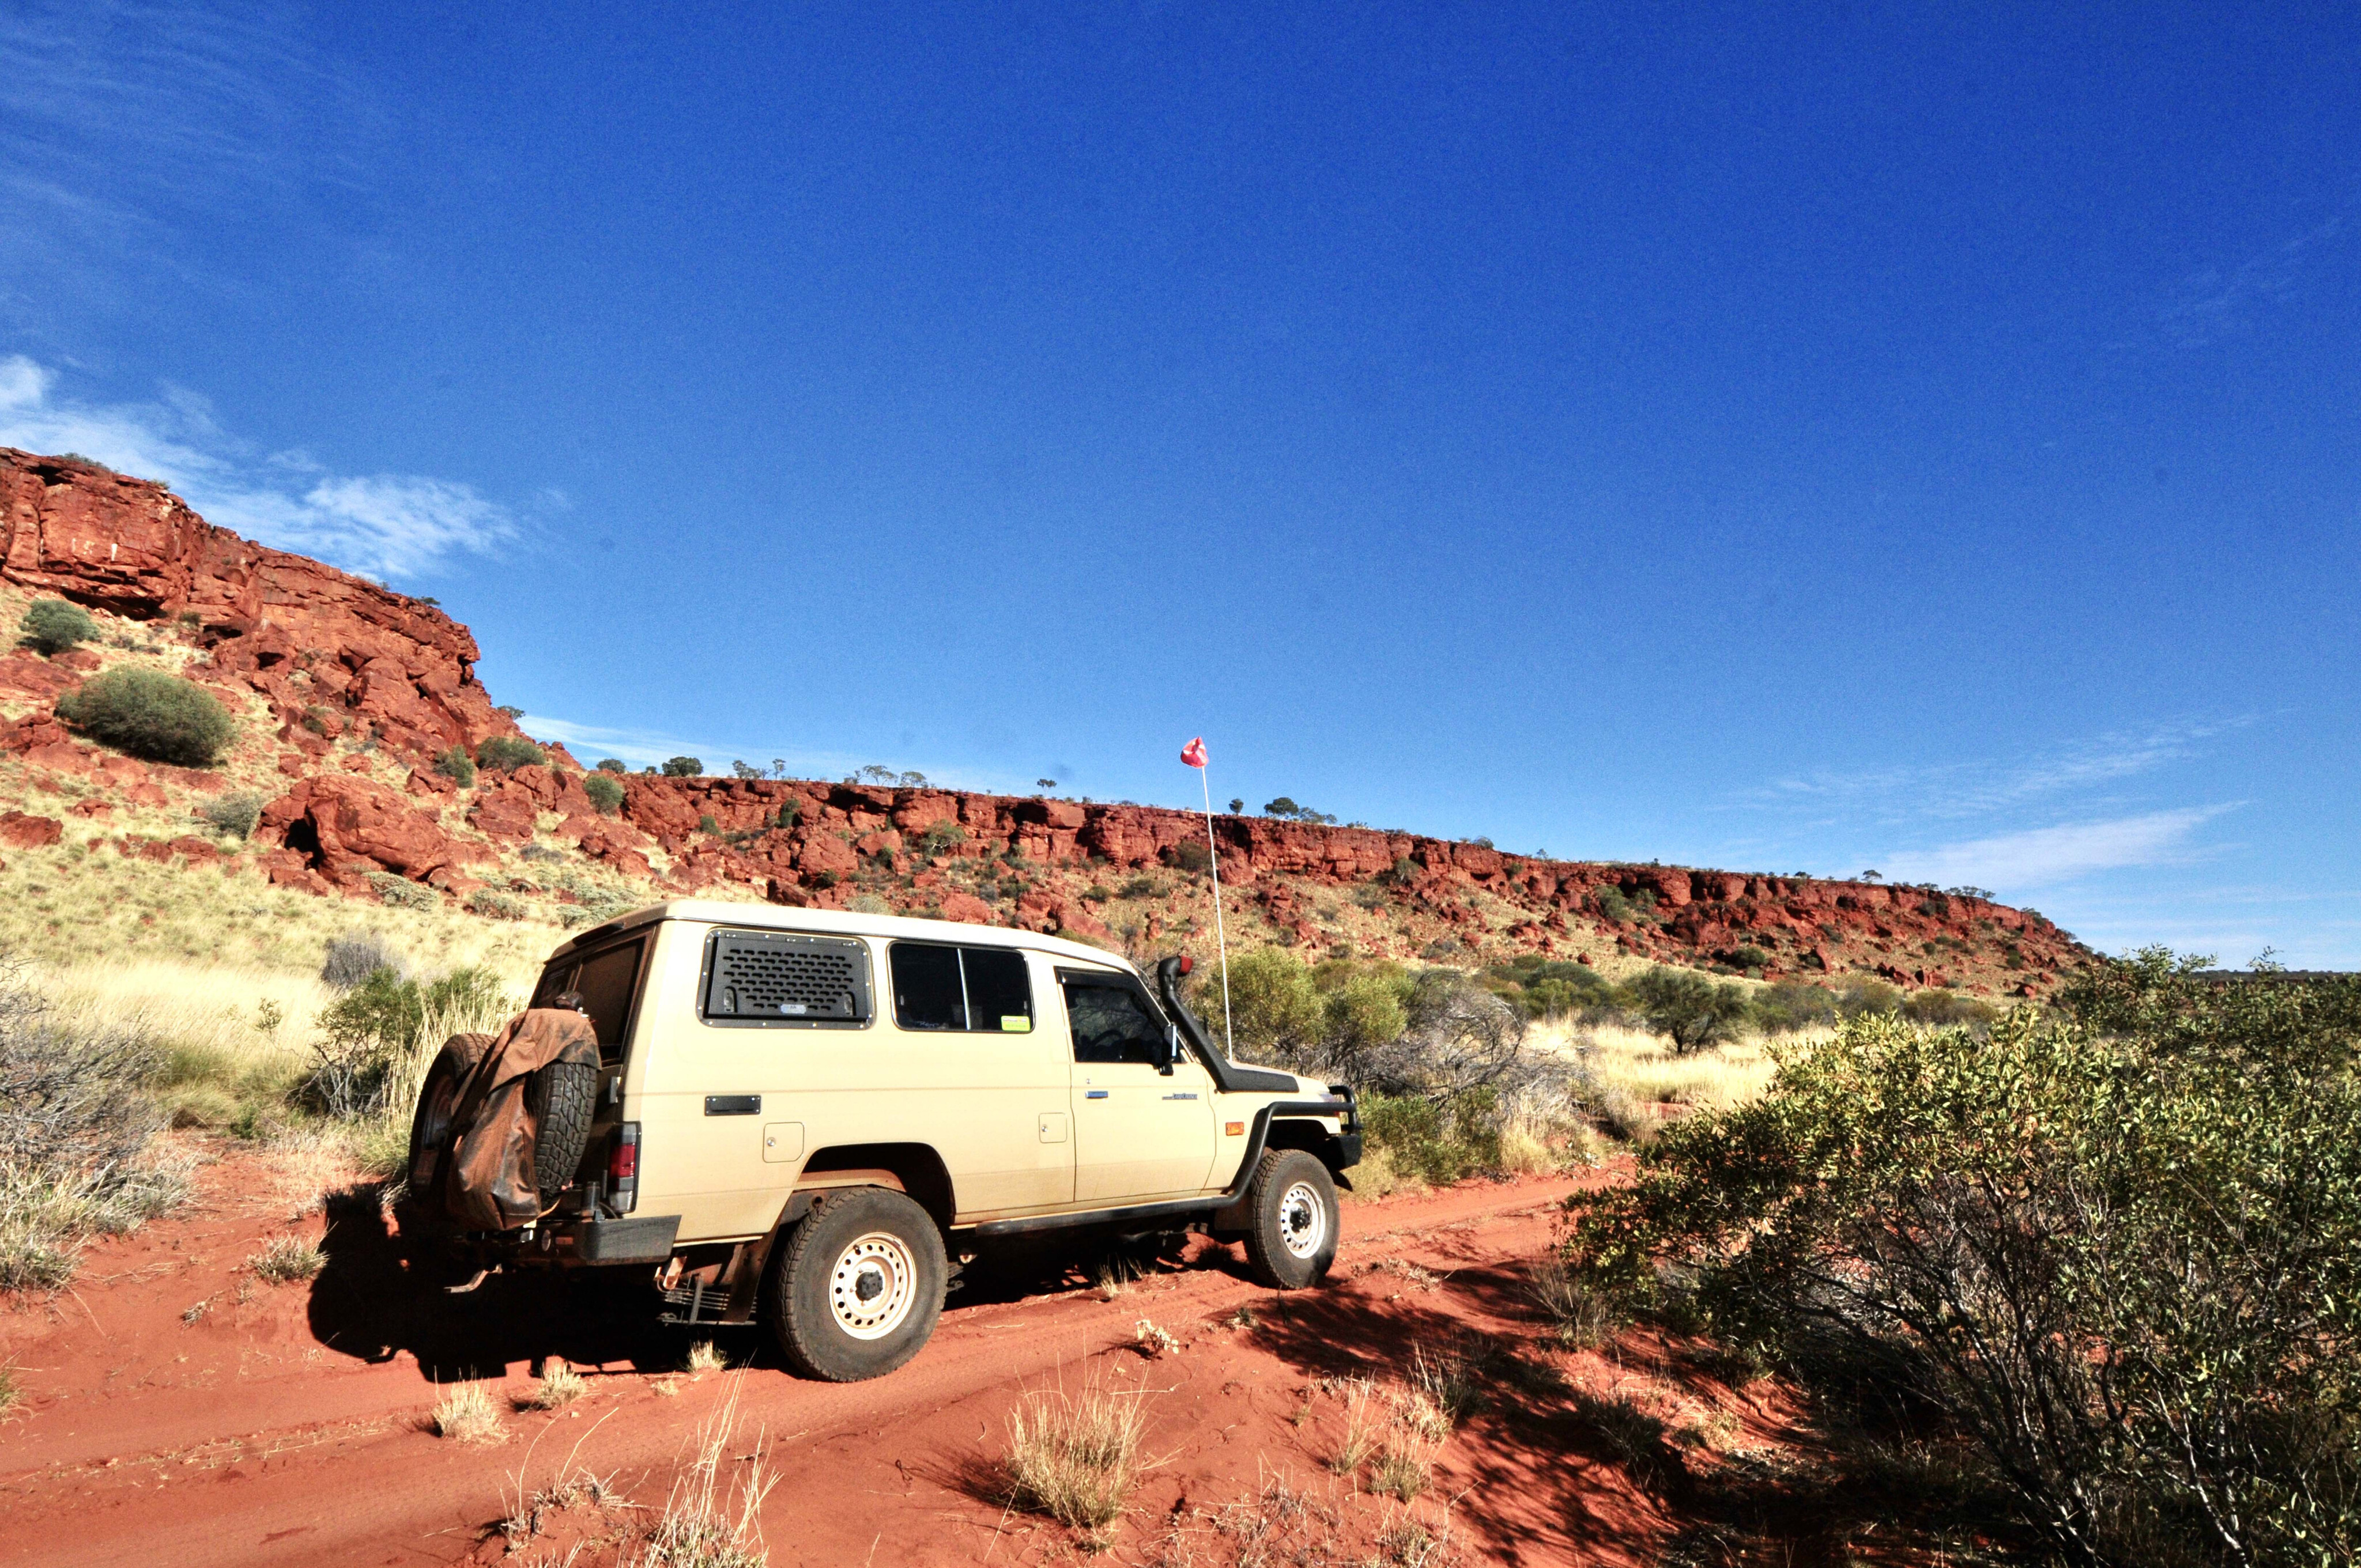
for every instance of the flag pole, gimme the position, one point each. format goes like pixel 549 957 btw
pixel 1214 858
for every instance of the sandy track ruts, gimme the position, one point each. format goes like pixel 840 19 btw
pixel 311 1456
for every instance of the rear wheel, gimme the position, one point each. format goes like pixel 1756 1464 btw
pixel 858 1285
pixel 1293 1204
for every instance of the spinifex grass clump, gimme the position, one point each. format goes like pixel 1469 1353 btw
pixel 1075 1458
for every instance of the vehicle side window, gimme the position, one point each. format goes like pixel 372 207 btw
pixel 926 987
pixel 556 979
pixel 1110 1024
pixel 978 989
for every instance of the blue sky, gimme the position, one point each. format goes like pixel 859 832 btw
pixel 1801 439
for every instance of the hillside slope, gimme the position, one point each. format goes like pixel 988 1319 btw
pixel 348 692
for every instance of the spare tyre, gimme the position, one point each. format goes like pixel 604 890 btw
pixel 562 1098
pixel 431 1125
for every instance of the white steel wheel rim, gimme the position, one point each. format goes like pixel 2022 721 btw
pixel 1302 1221
pixel 874 1285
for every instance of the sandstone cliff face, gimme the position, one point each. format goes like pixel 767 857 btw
pixel 318 643
pixel 362 684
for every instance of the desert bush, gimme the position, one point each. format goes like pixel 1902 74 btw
pixel 75 1129
pixel 1611 904
pixel 457 766
pixel 234 812
pixel 1749 957
pixel 374 1037
pixel 355 956
pixel 1792 1006
pixel 939 838
pixel 1696 1012
pixel 506 753
pixel 53 625
pixel 152 714
pixel 1274 1007
pixel 1934 1004
pixel 1364 1012
pixel 392 887
pixel 606 795
pixel 1190 856
pixel 683 768
pixel 2117 1249
pixel 494 905
pixel 467 1414
pixel 612 766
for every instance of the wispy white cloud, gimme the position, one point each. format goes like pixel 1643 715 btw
pixel 389 525
pixel 1980 787
pixel 2212 304
pixel 2043 856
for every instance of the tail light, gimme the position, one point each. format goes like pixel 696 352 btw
pixel 624 1168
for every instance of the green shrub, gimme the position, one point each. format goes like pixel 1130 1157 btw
pixel 457 766
pixel 1792 1004
pixel 1434 1140
pixel 1190 856
pixel 940 838
pixel 494 905
pixel 1937 1004
pixel 152 714
pixel 2116 1252
pixel 374 1031
pixel 1698 1012
pixel 612 766
pixel 606 795
pixel 1364 1012
pixel 235 813
pixel 1274 1007
pixel 1611 904
pixel 53 625
pixel 401 891
pixel 683 768
pixel 1749 957
pixel 506 753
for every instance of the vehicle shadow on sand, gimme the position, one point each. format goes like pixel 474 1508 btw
pixel 378 1297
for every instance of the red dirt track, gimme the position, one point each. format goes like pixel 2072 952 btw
pixel 291 1426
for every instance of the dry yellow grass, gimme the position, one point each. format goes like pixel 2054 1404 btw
pixel 1642 1066
pixel 467 1415
pixel 1075 1459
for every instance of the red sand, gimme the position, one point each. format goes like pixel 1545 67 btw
pixel 288 1424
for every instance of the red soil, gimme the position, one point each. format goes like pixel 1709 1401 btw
pixel 288 1424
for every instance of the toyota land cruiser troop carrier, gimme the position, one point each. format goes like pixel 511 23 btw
pixel 802 1118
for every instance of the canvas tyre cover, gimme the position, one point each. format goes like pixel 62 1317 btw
pixel 491 1182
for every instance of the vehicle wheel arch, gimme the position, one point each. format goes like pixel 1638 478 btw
pixel 917 1167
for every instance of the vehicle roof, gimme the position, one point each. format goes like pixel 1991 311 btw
pixel 841 923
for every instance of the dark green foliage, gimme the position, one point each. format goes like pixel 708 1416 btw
pixel 1611 904
pixel 506 753
pixel 1937 1005
pixel 939 838
pixel 1550 987
pixel 1190 856
pixel 233 813
pixel 1287 809
pixel 507 711
pixel 742 768
pixel 1794 1005
pixel 612 766
pixel 1749 957
pixel 683 768
pixel 457 766
pixel 152 714
pixel 1237 805
pixel 1440 1141
pixel 2113 1252
pixel 606 795
pixel 1698 1012
pixel 706 823
pixel 375 1026
pixel 788 814
pixel 53 625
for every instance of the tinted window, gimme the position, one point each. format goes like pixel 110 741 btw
pixel 983 990
pixel 998 996
pixel 927 993
pixel 1112 1024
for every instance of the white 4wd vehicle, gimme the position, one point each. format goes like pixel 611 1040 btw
pixel 803 1117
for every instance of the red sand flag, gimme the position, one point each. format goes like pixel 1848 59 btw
pixel 1193 753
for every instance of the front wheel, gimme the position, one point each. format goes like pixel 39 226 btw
pixel 860 1285
pixel 1293 1204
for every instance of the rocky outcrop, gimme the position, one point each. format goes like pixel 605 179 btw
pixel 342 660
pixel 333 653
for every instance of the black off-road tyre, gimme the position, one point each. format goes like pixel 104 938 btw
pixel 1292 1202
pixel 431 1131
pixel 562 1097
pixel 860 1239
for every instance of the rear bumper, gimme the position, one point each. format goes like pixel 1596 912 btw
pixel 573 1243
